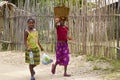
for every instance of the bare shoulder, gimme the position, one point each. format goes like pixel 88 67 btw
pixel 25 31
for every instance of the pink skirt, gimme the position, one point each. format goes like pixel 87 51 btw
pixel 62 53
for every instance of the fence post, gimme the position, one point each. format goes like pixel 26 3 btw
pixel 118 28
pixel 84 26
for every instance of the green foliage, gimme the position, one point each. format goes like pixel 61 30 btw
pixel 116 65
pixel 91 58
pixel 4 46
pixel 100 58
pixel 80 2
pixel 104 59
pixel 76 55
pixel 96 67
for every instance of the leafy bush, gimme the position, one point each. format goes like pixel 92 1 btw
pixel 4 46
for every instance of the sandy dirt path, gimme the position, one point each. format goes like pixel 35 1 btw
pixel 13 68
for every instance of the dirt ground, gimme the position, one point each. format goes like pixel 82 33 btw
pixel 13 67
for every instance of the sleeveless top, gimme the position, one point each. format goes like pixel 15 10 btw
pixel 32 39
pixel 62 33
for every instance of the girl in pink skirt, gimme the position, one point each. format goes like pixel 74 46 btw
pixel 62 50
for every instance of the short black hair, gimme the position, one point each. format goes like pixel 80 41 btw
pixel 30 20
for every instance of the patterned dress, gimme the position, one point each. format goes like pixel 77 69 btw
pixel 62 50
pixel 32 41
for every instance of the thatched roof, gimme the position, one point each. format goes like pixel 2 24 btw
pixel 12 7
pixel 4 4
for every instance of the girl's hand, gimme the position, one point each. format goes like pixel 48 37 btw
pixel 69 38
pixel 57 20
pixel 42 49
pixel 28 47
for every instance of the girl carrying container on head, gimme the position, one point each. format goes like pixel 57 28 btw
pixel 62 50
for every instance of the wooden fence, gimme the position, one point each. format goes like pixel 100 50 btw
pixel 94 26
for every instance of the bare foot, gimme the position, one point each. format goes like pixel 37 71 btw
pixel 53 69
